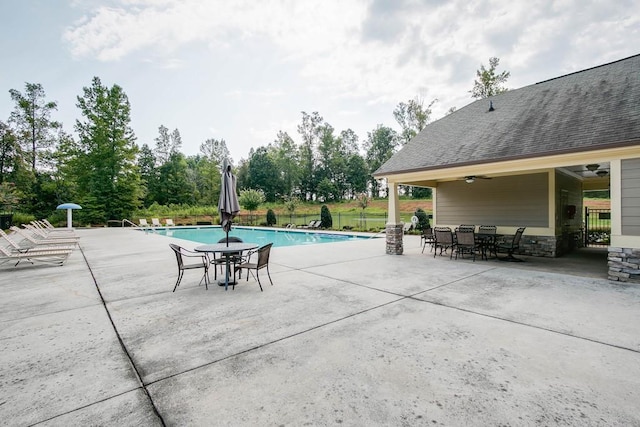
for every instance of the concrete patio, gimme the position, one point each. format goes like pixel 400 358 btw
pixel 347 335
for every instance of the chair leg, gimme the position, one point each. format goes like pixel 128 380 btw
pixel 180 273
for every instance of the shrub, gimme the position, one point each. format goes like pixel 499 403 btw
pixel 271 218
pixel 423 219
pixel 325 217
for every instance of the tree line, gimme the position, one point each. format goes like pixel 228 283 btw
pixel 104 170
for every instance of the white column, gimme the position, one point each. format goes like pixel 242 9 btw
pixel 394 204
pixel 69 219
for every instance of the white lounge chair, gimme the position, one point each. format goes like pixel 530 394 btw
pixel 143 223
pixel 48 227
pixel 30 235
pixel 168 222
pixel 18 247
pixel 155 222
pixel 42 229
pixel 56 257
pixel 44 234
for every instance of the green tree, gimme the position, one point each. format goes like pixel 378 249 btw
pixel 326 221
pixel 104 162
pixel 412 117
pixel 148 174
pixel 380 146
pixel 35 130
pixel 250 199
pixel 286 157
pixel 310 131
pixel 11 159
pixel 175 187
pixel 358 174
pixel 488 83
pixel 271 218
pixel 291 204
pixel 263 174
pixel 423 219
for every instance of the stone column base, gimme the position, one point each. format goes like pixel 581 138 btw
pixel 394 239
pixel 624 264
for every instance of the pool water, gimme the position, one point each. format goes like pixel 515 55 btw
pixel 259 236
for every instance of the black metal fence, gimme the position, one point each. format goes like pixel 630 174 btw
pixel 597 227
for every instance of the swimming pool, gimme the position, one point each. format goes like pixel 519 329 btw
pixel 260 236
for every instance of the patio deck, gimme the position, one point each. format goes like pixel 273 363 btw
pixel 347 335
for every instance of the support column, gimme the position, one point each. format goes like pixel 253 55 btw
pixel 394 227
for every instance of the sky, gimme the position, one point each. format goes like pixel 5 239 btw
pixel 242 70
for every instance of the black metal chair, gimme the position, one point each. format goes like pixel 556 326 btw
pixel 234 257
pixel 444 241
pixel 512 246
pixel 427 238
pixel 466 242
pixel 487 240
pixel 182 253
pixel 263 262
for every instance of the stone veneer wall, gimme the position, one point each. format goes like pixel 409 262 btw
pixel 543 246
pixel 624 264
pixel 394 239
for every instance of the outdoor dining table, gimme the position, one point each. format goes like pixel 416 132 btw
pixel 485 240
pixel 226 249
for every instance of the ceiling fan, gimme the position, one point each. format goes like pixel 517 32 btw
pixel 470 179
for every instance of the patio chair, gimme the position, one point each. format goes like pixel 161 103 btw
pixel 427 238
pixel 47 226
pixel 203 262
pixel 234 257
pixel 55 257
pixel 444 241
pixel 142 222
pixel 169 222
pixel 407 227
pixel 18 247
pixel 40 232
pixel 487 240
pixel 262 262
pixel 37 239
pixel 511 247
pixel 155 222
pixel 465 242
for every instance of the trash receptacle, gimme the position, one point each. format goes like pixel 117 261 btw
pixel 6 221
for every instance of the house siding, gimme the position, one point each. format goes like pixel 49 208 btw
pixel 521 200
pixel 630 187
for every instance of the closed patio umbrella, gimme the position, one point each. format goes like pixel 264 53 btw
pixel 228 205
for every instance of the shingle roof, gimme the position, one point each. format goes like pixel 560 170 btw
pixel 590 109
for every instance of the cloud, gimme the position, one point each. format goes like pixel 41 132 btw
pixel 378 51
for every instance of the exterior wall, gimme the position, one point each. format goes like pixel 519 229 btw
pixel 520 200
pixel 624 257
pixel 630 187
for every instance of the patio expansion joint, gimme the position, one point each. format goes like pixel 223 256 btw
pixel 528 325
pixel 281 339
pixel 143 386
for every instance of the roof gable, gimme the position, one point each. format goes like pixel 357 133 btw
pixel 582 111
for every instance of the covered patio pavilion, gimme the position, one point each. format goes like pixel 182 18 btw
pixel 525 157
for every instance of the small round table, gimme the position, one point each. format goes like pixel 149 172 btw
pixel 226 249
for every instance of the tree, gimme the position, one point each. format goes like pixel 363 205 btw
pixel 250 199
pixel 326 221
pixel 380 145
pixel 310 131
pixel 167 144
pixel 263 174
pixel 148 174
pixel 488 82
pixel 11 159
pixel 286 157
pixel 107 176
pixel 271 218
pixel 290 204
pixel 412 117
pixel 35 130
